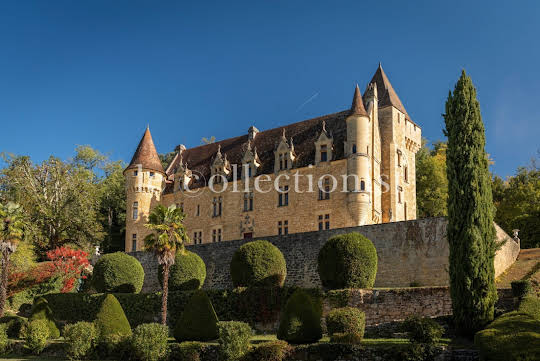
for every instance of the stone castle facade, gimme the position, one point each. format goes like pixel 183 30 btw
pixel 347 169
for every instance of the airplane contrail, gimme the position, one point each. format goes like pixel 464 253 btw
pixel 307 101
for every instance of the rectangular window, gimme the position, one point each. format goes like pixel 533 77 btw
pixel 217 206
pixel 135 173
pixel 283 196
pixel 283 228
pixel 324 154
pixel 135 210
pixel 324 193
pixel 197 237
pixel 134 242
pixel 248 202
pixel 399 196
pixel 324 222
pixel 214 235
pixel 198 210
pixel 406 172
pixel 219 234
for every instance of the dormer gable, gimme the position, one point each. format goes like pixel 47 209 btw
pixel 284 154
pixel 324 146
pixel 250 161
pixel 182 175
pixel 220 166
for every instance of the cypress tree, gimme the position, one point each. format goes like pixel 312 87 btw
pixel 471 232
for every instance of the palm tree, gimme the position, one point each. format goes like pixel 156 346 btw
pixel 168 238
pixel 11 231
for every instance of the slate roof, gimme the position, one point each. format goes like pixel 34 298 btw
pixel 386 93
pixel 146 155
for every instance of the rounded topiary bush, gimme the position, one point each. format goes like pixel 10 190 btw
pixel 111 321
pixel 258 263
pixel 118 273
pixel 149 341
pixel 199 321
pixel 42 311
pixel 301 320
pixel 521 288
pixel 187 273
pixel 348 261
pixel 346 320
pixel 81 339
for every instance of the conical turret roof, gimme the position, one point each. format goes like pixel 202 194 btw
pixel 386 93
pixel 357 107
pixel 146 155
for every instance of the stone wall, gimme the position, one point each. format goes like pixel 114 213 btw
pixel 411 251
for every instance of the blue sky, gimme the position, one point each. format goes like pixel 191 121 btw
pixel 97 72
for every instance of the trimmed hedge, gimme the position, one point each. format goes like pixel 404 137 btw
pixel 118 273
pixel 111 320
pixel 348 320
pixel 512 336
pixel 149 341
pixel 259 264
pixel 13 324
pixel 81 339
pixel 301 320
pixel 234 339
pixel 531 306
pixel 42 311
pixel 186 351
pixel 521 288
pixel 36 333
pixel 187 273
pixel 348 261
pixel 269 351
pixel 423 330
pixel 198 321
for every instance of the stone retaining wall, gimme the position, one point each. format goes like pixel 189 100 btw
pixel 408 252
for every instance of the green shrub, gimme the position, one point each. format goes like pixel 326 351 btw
pixel 198 321
pixel 81 339
pixel 531 306
pixel 13 324
pixel 149 341
pixel 347 338
pixel 258 263
pixel 423 330
pixel 118 273
pixel 348 261
pixel 111 321
pixel 521 288
pixel 234 339
pixel 187 273
pixel 513 336
pixel 269 351
pixel 301 320
pixel 348 320
pixel 42 311
pixel 4 341
pixel 36 334
pixel 186 351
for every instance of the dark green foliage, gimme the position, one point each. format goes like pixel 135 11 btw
pixel 149 341
pixel 258 263
pixel 521 288
pixel 512 336
pixel 186 351
pixel 531 306
pixel 81 339
pixel 301 320
pixel 347 338
pixel 348 320
pixel 470 231
pixel 423 330
pixel 198 321
pixel 36 334
pixel 269 351
pixel 111 320
pixel 13 324
pixel 187 273
pixel 348 261
pixel 42 311
pixel 4 341
pixel 118 273
pixel 234 339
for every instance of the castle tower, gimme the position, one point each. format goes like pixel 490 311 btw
pixel 400 140
pixel 358 168
pixel 145 179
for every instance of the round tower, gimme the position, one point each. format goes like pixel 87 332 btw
pixel 358 165
pixel 144 182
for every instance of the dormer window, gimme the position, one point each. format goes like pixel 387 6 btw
pixel 250 161
pixel 220 167
pixel 135 173
pixel 285 155
pixel 323 146
pixel 152 174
